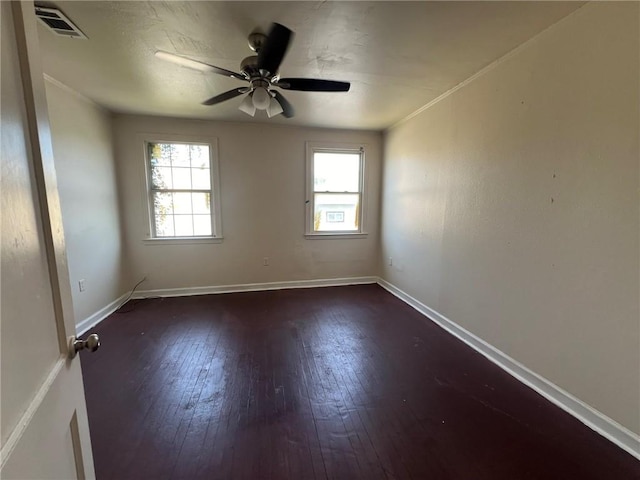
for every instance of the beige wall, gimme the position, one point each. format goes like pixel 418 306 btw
pixel 83 151
pixel 262 170
pixel 511 207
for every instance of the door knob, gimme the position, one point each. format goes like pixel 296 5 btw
pixel 92 343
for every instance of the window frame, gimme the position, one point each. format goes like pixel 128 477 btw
pixel 215 207
pixel 333 147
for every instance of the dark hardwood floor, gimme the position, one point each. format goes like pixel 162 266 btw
pixel 325 383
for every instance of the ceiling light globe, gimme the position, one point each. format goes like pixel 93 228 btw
pixel 261 98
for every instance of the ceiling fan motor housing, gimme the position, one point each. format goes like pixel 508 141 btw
pixel 249 66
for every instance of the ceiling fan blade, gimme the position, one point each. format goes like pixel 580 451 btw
pixel 197 65
pixel 225 96
pixel 313 85
pixel 287 108
pixel 275 46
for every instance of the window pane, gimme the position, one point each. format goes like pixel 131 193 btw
pixel 201 178
pixel 162 203
pixel 202 225
pixel 184 225
pixel 182 178
pixel 200 156
pixel 336 212
pixel 161 177
pixel 180 155
pixel 162 212
pixel 159 156
pixel 201 203
pixel 336 172
pixel 164 226
pixel 182 203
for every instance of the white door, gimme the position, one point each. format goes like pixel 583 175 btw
pixel 43 420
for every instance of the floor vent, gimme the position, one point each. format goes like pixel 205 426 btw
pixel 58 23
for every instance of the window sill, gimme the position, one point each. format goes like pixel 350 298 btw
pixel 334 235
pixel 181 240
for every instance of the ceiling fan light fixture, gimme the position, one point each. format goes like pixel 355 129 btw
pixel 274 108
pixel 261 98
pixel 247 106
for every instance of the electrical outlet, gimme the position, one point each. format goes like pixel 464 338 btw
pixel 265 261
pixel 81 285
pixel 390 261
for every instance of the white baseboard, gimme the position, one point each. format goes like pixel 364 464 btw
pixel 100 315
pixel 254 287
pixel 605 426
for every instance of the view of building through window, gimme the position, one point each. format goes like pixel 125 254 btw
pixel 336 191
pixel 180 189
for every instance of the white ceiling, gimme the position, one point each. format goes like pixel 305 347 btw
pixel 398 56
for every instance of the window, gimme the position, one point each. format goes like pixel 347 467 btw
pixel 183 190
pixel 335 178
pixel 335 217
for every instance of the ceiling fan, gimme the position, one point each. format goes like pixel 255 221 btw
pixel 261 72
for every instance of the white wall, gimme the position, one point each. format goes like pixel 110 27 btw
pixel 511 207
pixel 83 151
pixel 262 170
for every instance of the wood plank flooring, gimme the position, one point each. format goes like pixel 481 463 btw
pixel 325 383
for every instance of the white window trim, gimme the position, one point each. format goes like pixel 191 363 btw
pixel 313 147
pixel 216 220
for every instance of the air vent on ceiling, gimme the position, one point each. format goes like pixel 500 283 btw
pixel 58 23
